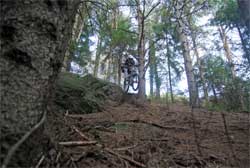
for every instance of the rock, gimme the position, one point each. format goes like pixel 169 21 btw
pixel 85 94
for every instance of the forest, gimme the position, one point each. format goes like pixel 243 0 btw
pixel 125 83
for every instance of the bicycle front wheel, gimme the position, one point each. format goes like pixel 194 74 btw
pixel 135 84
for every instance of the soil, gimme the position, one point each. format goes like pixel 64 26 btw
pixel 150 135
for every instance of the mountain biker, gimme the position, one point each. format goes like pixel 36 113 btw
pixel 128 65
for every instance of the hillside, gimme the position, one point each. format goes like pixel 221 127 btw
pixel 149 135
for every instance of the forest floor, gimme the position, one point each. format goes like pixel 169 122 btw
pixel 153 135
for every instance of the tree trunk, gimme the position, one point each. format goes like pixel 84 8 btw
pixel 244 45
pixel 151 69
pixel 157 82
pixel 200 66
pixel 169 75
pixel 97 56
pixel 109 70
pixel 226 47
pixel 141 52
pixel 75 36
pixel 119 70
pixel 215 95
pixel 34 38
pixel 193 94
pixel 115 69
pixel 244 6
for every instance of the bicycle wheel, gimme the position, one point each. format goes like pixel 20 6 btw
pixel 135 82
pixel 126 85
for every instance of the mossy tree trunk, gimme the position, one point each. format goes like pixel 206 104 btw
pixel 34 38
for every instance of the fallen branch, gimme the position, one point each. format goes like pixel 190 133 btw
pixel 100 128
pixel 125 158
pixel 20 142
pixel 160 139
pixel 78 143
pixel 125 148
pixel 154 124
pixel 40 161
pixel 80 133
pixel 78 116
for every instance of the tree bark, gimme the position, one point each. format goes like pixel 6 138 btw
pixel 169 74
pixel 200 66
pixel 98 56
pixel 244 44
pixel 151 76
pixel 193 94
pixel 34 38
pixel 119 70
pixel 228 52
pixel 157 82
pixel 244 6
pixel 141 51
pixel 75 37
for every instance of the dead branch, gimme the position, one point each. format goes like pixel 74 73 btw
pixel 101 128
pixel 40 161
pixel 126 148
pixel 78 143
pixel 158 139
pixel 79 116
pixel 154 124
pixel 125 158
pixel 80 133
pixel 20 142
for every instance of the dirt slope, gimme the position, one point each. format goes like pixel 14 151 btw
pixel 152 136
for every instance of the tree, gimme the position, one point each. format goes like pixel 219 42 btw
pixel 193 93
pixel 34 38
pixel 142 15
pixel 154 75
pixel 229 16
pixel 245 12
pixel 193 33
pixel 75 36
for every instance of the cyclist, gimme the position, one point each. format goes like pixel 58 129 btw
pixel 128 66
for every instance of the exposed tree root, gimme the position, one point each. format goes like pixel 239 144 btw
pixel 13 149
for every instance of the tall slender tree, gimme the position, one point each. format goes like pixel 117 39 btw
pixel 193 93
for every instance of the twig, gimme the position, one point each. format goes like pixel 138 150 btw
pixel 80 133
pixel 158 139
pixel 77 143
pixel 126 148
pixel 125 158
pixel 40 161
pixel 20 142
pixel 58 156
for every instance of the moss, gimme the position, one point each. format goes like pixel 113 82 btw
pixel 85 94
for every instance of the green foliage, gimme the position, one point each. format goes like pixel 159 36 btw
pixel 228 13
pixel 122 36
pixel 82 54
pixel 216 71
pixel 236 95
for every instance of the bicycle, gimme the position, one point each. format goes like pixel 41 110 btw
pixel 131 80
